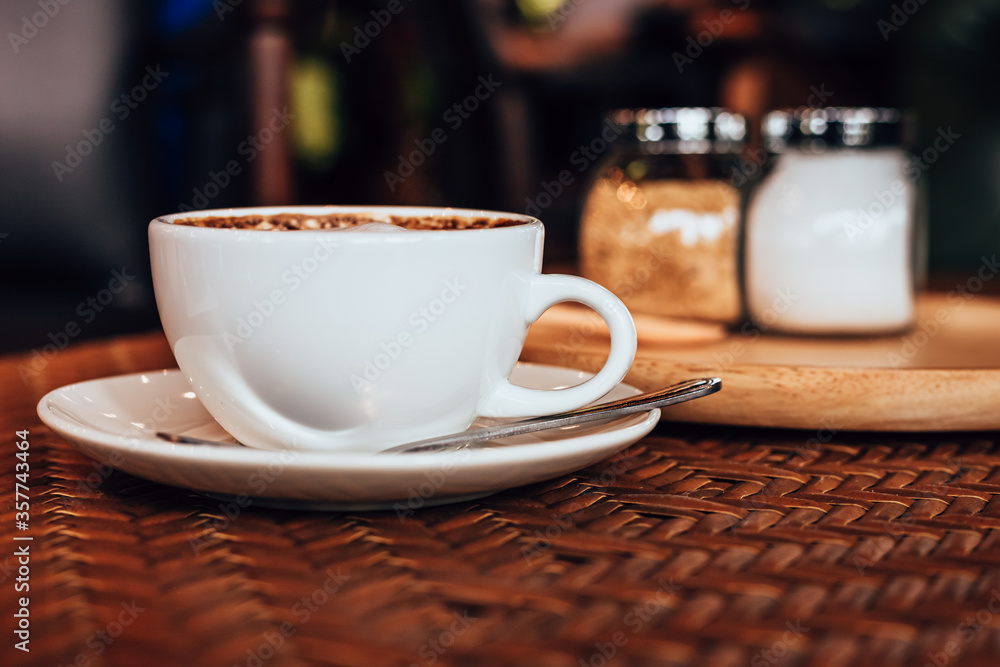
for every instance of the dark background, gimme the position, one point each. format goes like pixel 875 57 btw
pixel 560 68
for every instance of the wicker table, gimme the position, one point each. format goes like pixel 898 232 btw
pixel 697 546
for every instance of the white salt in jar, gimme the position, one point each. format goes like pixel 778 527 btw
pixel 831 233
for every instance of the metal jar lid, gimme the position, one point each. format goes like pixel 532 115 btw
pixel 682 129
pixel 816 129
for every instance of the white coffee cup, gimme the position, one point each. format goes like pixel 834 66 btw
pixel 360 340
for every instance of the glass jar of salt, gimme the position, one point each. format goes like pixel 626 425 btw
pixel 661 221
pixel 832 243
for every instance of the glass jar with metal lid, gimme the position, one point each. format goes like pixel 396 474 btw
pixel 833 243
pixel 661 221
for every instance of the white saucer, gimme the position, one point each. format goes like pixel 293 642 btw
pixel 114 420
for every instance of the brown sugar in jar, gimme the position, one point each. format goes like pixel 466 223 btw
pixel 661 223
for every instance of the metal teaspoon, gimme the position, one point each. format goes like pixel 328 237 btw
pixel 678 393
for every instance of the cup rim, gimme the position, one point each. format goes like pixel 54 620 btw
pixel 407 211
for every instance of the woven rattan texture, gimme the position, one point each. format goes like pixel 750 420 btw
pixel 697 546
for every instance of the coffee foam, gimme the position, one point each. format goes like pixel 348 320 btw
pixel 346 222
pixel 378 227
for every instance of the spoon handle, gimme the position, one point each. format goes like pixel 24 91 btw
pixel 678 393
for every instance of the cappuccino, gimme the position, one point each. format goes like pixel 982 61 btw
pixel 333 221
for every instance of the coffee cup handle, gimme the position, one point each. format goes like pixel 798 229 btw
pixel 545 291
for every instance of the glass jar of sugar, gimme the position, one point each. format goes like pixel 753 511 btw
pixel 661 221
pixel 833 244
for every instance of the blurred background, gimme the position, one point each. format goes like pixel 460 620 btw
pixel 113 113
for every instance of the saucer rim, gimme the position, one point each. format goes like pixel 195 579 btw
pixel 250 456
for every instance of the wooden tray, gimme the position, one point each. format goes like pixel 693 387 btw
pixel 943 375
